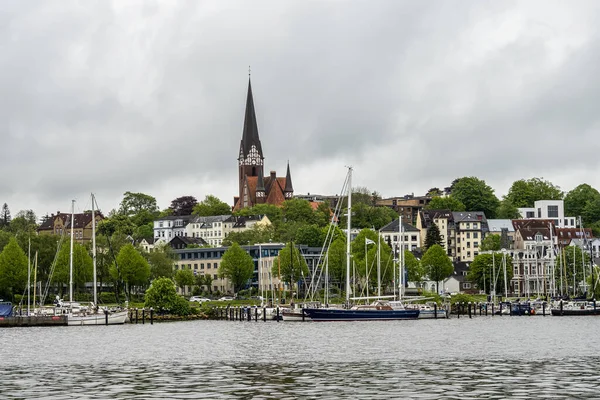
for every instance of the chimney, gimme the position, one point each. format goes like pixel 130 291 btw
pixel 57 213
pixel 273 177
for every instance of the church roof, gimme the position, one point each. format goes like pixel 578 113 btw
pixel 250 133
pixel 288 180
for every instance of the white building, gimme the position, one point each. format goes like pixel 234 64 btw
pixel 167 228
pixel 549 209
pixel 391 235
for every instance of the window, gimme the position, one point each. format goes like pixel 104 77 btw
pixel 475 244
pixel 475 235
pixel 539 213
pixel 468 254
pixel 468 225
pixel 160 224
pixel 552 211
pixel 468 245
pixel 530 214
pixel 202 266
pixel 215 276
pixel 215 266
pixel 468 235
pixel 538 237
pixel 466 285
pixel 413 238
pixel 474 225
pixel 195 266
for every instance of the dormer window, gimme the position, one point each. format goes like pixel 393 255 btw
pixel 538 237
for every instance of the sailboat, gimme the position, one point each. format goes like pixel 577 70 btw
pixel 78 314
pixel 378 310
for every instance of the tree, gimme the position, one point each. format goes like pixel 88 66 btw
pixel 437 264
pixel 134 203
pixel 184 277
pixel 161 295
pixel 524 192
pixel 82 266
pixel 211 205
pixel 161 261
pixel 4 216
pixel 507 210
pixel 323 214
pixel 116 224
pixel 134 268
pixel 290 266
pixel 237 266
pixel 337 261
pixel 256 234
pixel 433 236
pixel 13 269
pixel 577 199
pixel 272 212
pixel 24 221
pixel 476 195
pixel 298 210
pixel 483 268
pixel 434 192
pixel 445 203
pixel 414 269
pixel 491 242
pixel 183 205
pixel 310 235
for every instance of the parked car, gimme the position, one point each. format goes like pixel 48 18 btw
pixel 226 298
pixel 199 299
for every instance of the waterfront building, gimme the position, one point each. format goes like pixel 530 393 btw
pixel 60 224
pixel 390 234
pixel 444 220
pixel 254 186
pixel 465 234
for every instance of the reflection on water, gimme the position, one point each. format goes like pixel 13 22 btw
pixel 533 358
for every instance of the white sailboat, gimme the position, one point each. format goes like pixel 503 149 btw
pixel 78 314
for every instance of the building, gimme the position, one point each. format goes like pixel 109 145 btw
pixel 444 221
pixel 60 224
pixel 407 206
pixel 504 228
pixel 167 228
pixel 147 244
pixel 391 235
pixel 549 209
pixel 185 242
pixel 254 186
pixel 565 236
pixel 466 233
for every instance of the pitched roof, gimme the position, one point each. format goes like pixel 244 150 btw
pixel 496 225
pixel 288 180
pixel 188 240
pixel 250 133
pixel 532 223
pixel 468 216
pixel 530 233
pixel 80 220
pixel 394 225
pixel 427 216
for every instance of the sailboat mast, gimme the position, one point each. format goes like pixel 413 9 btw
pixel 35 279
pixel 348 235
pixel 94 248
pixel 400 259
pixel 71 252
pixel 28 275
pixel 379 264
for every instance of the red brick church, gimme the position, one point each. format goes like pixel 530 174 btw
pixel 254 186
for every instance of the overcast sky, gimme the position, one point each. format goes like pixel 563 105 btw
pixel 108 97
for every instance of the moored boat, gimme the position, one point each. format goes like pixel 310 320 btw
pixel 378 310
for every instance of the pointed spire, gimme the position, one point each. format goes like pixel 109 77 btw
pixel 250 134
pixel 288 181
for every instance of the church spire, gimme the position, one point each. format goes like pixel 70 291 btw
pixel 289 190
pixel 250 134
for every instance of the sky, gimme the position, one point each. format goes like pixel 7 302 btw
pixel 149 96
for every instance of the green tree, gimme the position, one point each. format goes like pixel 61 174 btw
pixel 134 203
pixel 310 235
pixel 184 277
pixel 323 214
pixel 161 295
pixel 116 224
pixel 4 216
pixel 161 261
pixel 491 242
pixel 507 210
pixel 237 266
pixel 256 234
pixel 45 246
pixel 336 255
pixel 290 266
pixel 445 203
pixel 437 264
pixel 13 269
pixel 298 210
pixel 272 212
pixel 484 266
pixel 433 236
pixel 577 199
pixel 24 222
pixel 133 267
pixel 476 195
pixel 524 192
pixel 211 205
pixel 82 266
pixel 5 238
pixel 414 269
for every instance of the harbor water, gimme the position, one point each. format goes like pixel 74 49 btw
pixel 484 357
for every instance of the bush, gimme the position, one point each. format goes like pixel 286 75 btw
pixel 461 297
pixel 181 306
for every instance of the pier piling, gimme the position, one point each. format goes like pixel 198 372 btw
pixel 151 316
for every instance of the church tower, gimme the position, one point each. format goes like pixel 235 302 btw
pixel 254 186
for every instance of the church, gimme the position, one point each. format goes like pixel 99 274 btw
pixel 254 186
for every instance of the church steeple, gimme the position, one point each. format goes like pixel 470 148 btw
pixel 250 147
pixel 289 189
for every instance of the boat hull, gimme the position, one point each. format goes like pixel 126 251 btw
pixel 431 314
pixel 575 312
pixel 116 318
pixel 325 314
pixel 33 320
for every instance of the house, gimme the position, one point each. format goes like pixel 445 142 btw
pixel 60 224
pixel 444 220
pixel 407 206
pixel 549 209
pixel 467 232
pixel 391 235
pixel 566 235
pixel 210 228
pixel 147 244
pixel 504 228
pixel 183 242
pixel 168 227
